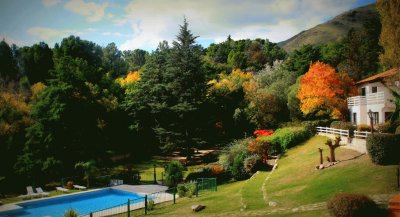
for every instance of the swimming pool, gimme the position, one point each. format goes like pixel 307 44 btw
pixel 83 203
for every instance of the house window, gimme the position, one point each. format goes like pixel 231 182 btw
pixel 388 115
pixel 374 89
pixel 375 118
pixel 363 91
pixel 355 118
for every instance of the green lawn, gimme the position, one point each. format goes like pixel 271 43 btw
pixel 252 191
pixel 294 183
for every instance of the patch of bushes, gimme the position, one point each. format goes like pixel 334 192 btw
pixel 237 147
pixel 211 171
pixel 238 171
pixel 384 148
pixel 101 181
pixel 397 132
pixel 363 127
pixel 69 185
pixel 312 125
pixel 150 205
pixel 252 164
pixel 71 213
pixel 384 128
pixel 186 190
pixel 344 126
pixel 285 138
pixel 174 173
pixel 352 205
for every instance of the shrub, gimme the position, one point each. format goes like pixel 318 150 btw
pixel 150 205
pixel 397 130
pixel 173 173
pixel 384 148
pixel 186 190
pixel 363 127
pixel 384 128
pixel 217 169
pixel 252 164
pixel 101 181
pixel 199 173
pixel 311 126
pixel 71 213
pixel 237 147
pixel 352 205
pixel 238 171
pixel 285 138
pixel 69 185
pixel 344 126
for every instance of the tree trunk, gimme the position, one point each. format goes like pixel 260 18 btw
pixel 332 154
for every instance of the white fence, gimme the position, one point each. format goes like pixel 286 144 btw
pixel 361 134
pixel 346 133
pixel 335 131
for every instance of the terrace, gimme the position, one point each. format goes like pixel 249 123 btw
pixel 368 99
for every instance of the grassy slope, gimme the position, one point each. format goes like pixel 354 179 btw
pixel 331 31
pixel 294 183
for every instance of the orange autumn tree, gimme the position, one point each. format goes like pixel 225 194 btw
pixel 323 92
pixel 131 77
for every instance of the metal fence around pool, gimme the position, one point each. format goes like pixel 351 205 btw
pixel 152 202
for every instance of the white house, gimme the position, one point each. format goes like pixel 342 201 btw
pixel 374 96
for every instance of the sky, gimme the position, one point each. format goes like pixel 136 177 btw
pixel 142 24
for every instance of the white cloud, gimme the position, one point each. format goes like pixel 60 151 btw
pixel 50 3
pixel 92 11
pixel 116 34
pixel 91 30
pixel 50 35
pixel 277 20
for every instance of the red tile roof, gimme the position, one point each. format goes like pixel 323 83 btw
pixel 379 76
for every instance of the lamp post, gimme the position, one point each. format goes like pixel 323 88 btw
pixel 370 120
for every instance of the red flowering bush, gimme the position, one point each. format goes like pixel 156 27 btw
pixel 259 146
pixel 261 133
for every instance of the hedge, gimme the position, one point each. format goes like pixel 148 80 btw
pixel 384 148
pixel 285 138
pixel 352 205
pixel 344 126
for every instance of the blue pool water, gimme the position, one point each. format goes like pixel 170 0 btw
pixel 83 203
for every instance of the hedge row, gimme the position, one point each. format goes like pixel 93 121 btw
pixel 353 205
pixel 285 138
pixel 384 148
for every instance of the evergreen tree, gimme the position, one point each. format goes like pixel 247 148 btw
pixel 36 62
pixel 362 50
pixel 171 91
pixel 112 61
pixel 8 66
pixel 299 61
pixel 390 36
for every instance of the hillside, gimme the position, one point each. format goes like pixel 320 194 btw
pixel 332 30
pixel 296 188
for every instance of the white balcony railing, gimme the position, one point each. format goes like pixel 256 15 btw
pixel 369 99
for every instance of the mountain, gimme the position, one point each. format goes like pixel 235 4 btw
pixel 332 30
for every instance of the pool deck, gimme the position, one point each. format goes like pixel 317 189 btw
pixel 139 189
pixel 9 207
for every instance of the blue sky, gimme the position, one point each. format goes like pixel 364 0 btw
pixel 144 23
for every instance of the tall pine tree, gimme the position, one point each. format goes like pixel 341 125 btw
pixel 171 92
